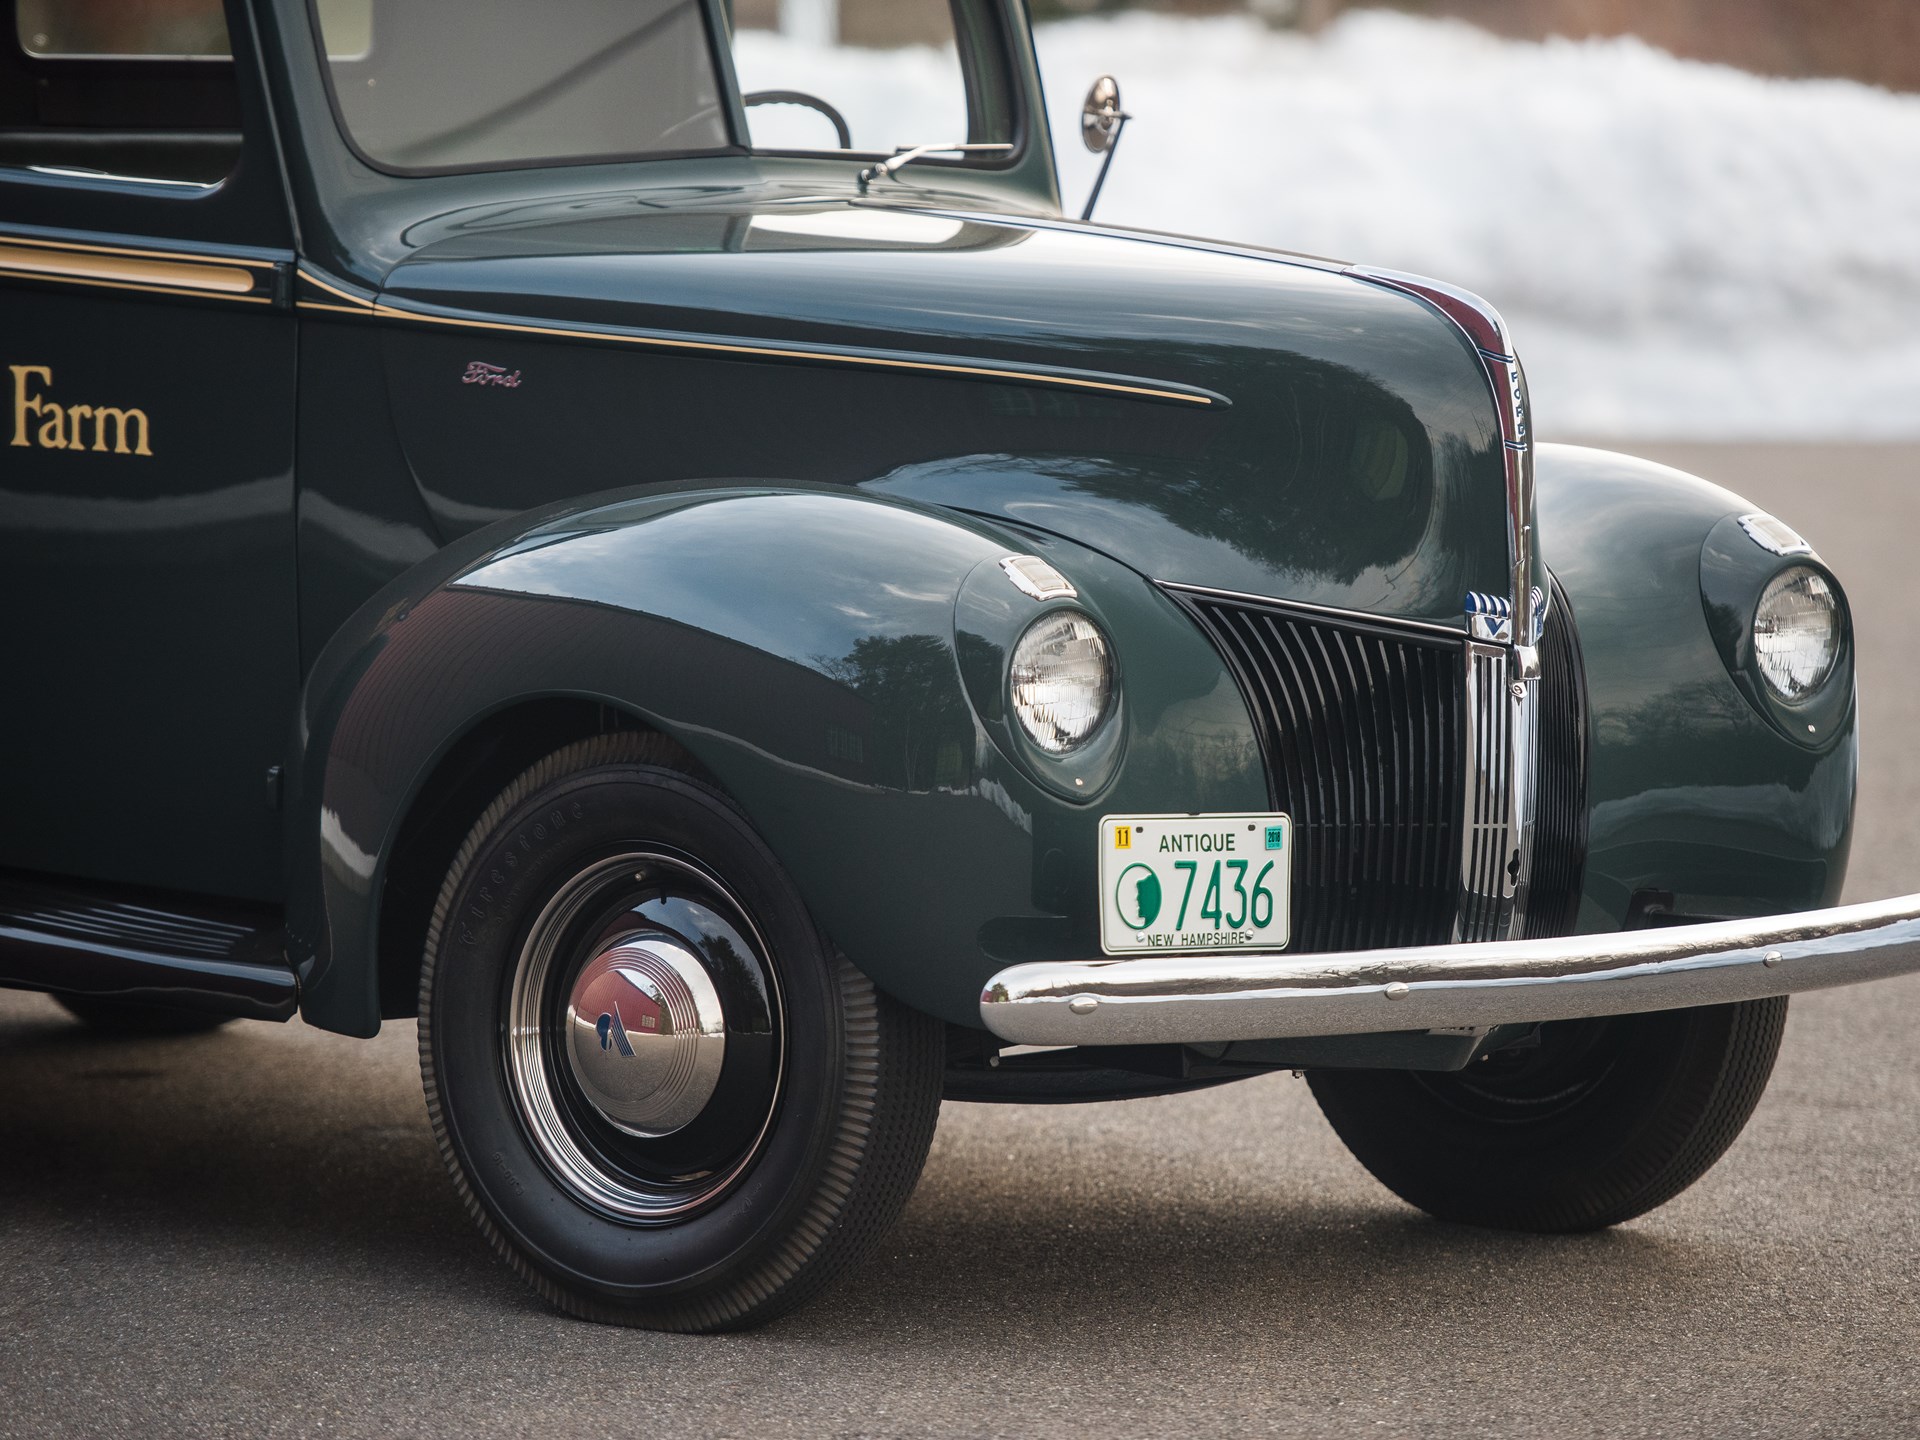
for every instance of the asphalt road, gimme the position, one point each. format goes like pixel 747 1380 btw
pixel 251 1233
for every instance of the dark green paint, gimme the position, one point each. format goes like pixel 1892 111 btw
pixel 802 644
pixel 1691 790
pixel 787 563
pixel 150 675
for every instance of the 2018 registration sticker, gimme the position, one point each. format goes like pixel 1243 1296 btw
pixel 1194 882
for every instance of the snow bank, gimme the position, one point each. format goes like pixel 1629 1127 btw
pixel 1681 250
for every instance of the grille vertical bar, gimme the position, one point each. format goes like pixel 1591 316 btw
pixel 1486 892
pixel 1363 728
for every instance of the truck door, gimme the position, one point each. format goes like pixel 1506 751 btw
pixel 148 661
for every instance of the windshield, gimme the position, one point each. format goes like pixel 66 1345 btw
pixel 438 85
pixel 888 69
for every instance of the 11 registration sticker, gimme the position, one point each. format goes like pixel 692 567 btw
pixel 1194 882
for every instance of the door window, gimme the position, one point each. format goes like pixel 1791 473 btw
pixel 438 85
pixel 114 89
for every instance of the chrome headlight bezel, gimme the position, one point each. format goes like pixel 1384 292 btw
pixel 1743 556
pixel 994 612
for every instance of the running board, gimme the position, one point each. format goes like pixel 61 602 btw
pixel 225 957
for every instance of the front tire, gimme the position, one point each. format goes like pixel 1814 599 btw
pixel 664 1097
pixel 1600 1121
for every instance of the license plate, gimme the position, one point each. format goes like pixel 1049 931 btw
pixel 1194 882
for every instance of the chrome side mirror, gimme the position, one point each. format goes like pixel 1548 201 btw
pixel 1101 116
pixel 1101 121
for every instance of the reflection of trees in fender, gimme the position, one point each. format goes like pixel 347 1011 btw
pixel 920 724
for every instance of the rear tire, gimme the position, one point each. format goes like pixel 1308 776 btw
pixel 705 1187
pixel 130 1018
pixel 1602 1121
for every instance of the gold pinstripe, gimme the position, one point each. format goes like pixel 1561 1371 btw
pixel 829 357
pixel 178 267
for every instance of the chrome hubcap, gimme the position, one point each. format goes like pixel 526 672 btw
pixel 646 1035
pixel 645 1043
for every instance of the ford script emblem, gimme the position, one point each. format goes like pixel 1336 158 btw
pixel 479 372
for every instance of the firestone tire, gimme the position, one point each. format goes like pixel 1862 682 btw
pixel 1602 1121
pixel 129 1018
pixel 735 1187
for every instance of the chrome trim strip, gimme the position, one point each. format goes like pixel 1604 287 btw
pixel 1004 372
pixel 1523 786
pixel 1500 794
pixel 1172 239
pixel 1199 999
pixel 1477 319
pixel 1488 862
pixel 67 172
pixel 1307 607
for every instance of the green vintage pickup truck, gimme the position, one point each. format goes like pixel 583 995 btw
pixel 746 619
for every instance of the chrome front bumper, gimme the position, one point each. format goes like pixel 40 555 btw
pixel 1201 998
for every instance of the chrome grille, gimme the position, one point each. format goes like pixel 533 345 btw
pixel 1412 772
pixel 1488 860
pixel 1361 726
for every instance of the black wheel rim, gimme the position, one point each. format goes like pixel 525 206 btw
pixel 632 902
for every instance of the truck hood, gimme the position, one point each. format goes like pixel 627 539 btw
pixel 1240 419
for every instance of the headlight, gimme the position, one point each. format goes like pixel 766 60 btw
pixel 1796 632
pixel 1062 675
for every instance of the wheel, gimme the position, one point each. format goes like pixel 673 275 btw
pixel 129 1017
pixel 664 1097
pixel 1598 1122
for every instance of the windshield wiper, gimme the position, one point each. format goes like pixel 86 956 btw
pixel 903 158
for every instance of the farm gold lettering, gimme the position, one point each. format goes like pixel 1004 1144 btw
pixel 53 435
pixel 116 430
pixel 125 421
pixel 1196 844
pixel 22 402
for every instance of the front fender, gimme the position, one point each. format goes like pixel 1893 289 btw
pixel 801 643
pixel 1692 791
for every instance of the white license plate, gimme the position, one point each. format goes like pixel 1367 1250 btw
pixel 1194 882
